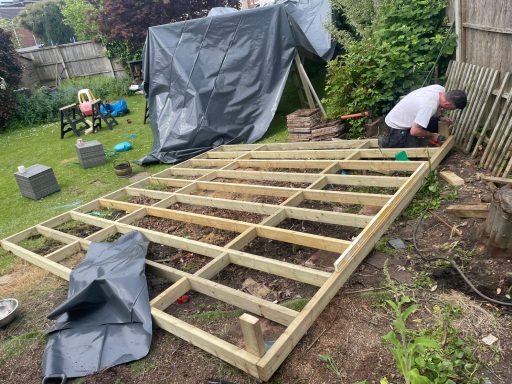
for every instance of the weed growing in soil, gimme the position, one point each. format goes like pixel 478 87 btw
pixel 424 356
pixel 295 304
pixel 331 364
pixel 428 197
pixel 15 346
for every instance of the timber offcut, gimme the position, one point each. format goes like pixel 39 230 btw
pixel 324 183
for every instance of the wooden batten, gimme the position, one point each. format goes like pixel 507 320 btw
pixel 236 163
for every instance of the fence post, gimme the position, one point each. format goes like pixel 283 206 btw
pixel 62 61
pixel 459 29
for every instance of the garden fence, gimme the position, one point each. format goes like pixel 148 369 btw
pixel 67 61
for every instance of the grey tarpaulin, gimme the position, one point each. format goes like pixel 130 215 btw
pixel 106 319
pixel 218 80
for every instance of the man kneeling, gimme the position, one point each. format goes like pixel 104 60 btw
pixel 413 122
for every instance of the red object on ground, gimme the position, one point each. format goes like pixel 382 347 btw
pixel 183 299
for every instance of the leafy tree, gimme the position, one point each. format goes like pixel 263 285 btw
pixel 124 24
pixel 10 77
pixel 45 21
pixel 388 56
pixel 81 16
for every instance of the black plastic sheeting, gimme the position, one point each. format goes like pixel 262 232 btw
pixel 218 80
pixel 106 319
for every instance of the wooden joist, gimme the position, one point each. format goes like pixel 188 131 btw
pixel 219 179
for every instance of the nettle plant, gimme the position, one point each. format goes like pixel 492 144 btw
pixel 388 56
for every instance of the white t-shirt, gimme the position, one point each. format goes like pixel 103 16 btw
pixel 416 107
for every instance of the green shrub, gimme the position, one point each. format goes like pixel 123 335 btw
pixel 43 105
pixel 392 57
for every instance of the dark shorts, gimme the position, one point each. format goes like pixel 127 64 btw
pixel 402 138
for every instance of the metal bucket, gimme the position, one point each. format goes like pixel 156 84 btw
pixel 122 168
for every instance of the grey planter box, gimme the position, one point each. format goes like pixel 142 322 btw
pixel 90 154
pixel 37 182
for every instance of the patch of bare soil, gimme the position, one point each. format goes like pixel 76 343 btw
pixel 255 198
pixel 279 250
pixel 208 235
pixel 270 183
pixel 78 228
pixel 360 189
pixel 176 258
pixel 264 285
pixel 330 206
pixel 248 217
pixel 142 200
pixel 330 230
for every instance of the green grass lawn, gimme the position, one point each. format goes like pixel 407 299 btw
pixel 42 145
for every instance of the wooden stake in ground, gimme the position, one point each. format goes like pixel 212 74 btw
pixel 499 223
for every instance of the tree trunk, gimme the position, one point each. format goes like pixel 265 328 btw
pixel 499 223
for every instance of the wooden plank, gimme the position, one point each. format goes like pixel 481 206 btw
pixel 171 294
pixel 253 336
pixel 351 259
pixel 469 210
pixel 487 28
pixel 459 30
pixel 40 261
pixel 64 252
pixel 279 268
pixel 267 309
pixel 451 178
pixel 367 181
pixel 235 356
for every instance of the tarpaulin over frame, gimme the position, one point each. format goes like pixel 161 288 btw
pixel 218 80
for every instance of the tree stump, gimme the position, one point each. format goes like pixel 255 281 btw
pixel 499 223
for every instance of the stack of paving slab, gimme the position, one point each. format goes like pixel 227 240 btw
pixel 90 153
pixel 307 125
pixel 37 181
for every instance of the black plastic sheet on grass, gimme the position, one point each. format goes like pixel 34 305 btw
pixel 106 319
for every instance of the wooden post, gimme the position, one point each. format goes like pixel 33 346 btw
pixel 253 336
pixel 309 97
pixel 308 87
pixel 62 61
pixel 499 223
pixel 459 29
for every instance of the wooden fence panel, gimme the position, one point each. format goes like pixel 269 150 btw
pixel 71 61
pixel 485 32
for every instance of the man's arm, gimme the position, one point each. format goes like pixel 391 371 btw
pixel 419 131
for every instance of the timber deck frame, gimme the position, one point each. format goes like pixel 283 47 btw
pixel 229 162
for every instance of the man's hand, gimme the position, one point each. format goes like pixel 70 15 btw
pixel 447 120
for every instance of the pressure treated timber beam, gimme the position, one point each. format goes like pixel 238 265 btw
pixel 171 294
pixel 253 336
pixel 40 261
pixel 245 301
pixel 235 356
pixel 148 193
pixel 320 145
pixel 367 181
pixel 260 263
pixel 57 235
pixel 279 234
pixel 64 252
pixel 345 266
